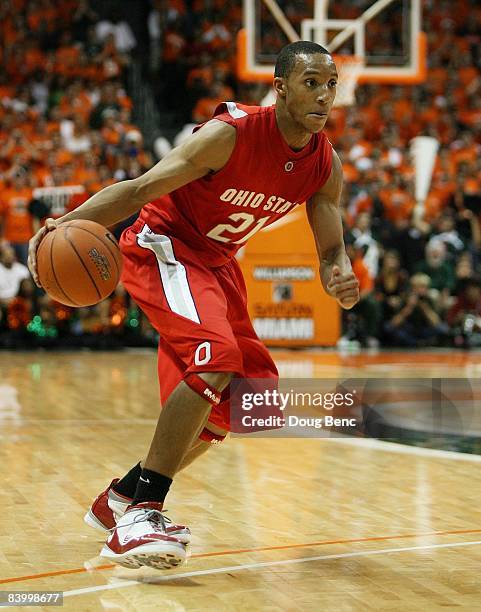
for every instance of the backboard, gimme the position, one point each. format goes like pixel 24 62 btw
pixel 383 36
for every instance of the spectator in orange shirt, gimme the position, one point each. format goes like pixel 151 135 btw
pixel 444 163
pixel 19 147
pixel 40 136
pixel 104 179
pixel 75 101
pixel 111 60
pixel 41 16
pixel 437 75
pixel 67 54
pixel 16 224
pixel 401 101
pixel 124 123
pixel 466 149
pixel 87 69
pixel 205 107
pixel 203 73
pixel 111 128
pixel 62 155
pixel 86 171
pixel 471 115
pixel 397 201
pixel 54 119
pixel 434 204
pixel 34 57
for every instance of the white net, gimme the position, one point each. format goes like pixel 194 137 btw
pixel 349 68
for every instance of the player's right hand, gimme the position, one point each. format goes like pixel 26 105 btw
pixel 50 224
pixel 344 287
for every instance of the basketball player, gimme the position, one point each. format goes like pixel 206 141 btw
pixel 237 173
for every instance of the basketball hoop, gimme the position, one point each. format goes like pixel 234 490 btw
pixel 349 68
pixel 257 64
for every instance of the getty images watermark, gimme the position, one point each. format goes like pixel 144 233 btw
pixel 279 401
pixel 381 408
pixel 291 407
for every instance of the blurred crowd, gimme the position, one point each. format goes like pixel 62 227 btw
pixel 29 318
pixel 420 277
pixel 66 131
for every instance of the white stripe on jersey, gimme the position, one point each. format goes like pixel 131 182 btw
pixel 172 273
pixel 233 111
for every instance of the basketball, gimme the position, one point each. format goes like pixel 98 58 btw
pixel 79 263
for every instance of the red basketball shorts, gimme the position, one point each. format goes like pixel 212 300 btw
pixel 200 313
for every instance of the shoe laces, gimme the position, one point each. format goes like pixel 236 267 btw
pixel 158 520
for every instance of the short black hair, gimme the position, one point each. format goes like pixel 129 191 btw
pixel 286 60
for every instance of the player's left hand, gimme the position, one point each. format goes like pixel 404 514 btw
pixel 344 287
pixel 50 224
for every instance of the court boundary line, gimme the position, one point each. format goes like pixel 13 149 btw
pixel 367 443
pixel 262 564
pixel 81 570
pixel 405 449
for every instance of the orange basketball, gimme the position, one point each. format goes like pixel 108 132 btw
pixel 79 263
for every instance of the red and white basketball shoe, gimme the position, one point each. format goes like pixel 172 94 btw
pixel 110 506
pixel 107 508
pixel 140 538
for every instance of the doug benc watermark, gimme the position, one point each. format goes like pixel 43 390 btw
pixel 381 408
pixel 293 406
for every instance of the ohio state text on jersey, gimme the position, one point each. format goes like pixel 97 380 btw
pixel 263 180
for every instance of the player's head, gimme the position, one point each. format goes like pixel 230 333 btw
pixel 305 80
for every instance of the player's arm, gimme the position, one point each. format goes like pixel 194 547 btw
pixel 205 151
pixel 324 217
pixel 208 150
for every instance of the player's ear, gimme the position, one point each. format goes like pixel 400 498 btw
pixel 280 86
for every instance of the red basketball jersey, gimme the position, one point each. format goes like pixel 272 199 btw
pixel 263 180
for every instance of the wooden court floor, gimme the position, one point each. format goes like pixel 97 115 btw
pixel 293 524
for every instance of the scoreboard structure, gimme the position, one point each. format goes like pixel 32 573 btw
pixel 287 303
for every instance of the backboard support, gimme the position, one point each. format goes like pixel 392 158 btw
pixel 341 36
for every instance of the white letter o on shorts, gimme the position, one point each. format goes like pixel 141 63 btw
pixel 202 354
